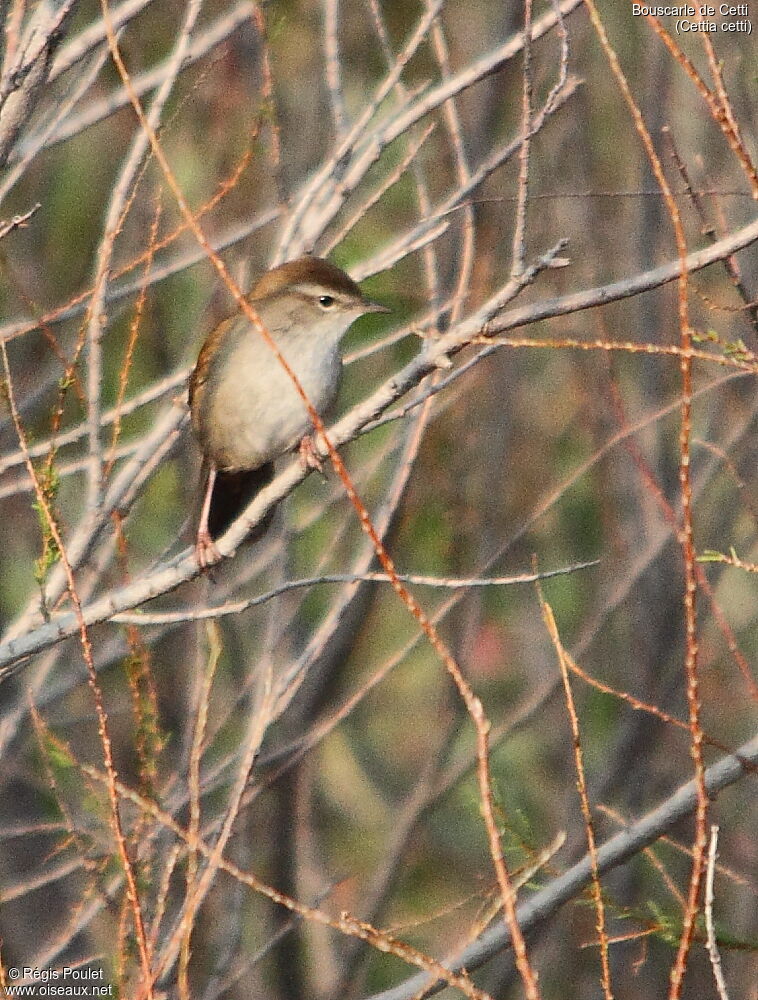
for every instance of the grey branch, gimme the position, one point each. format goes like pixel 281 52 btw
pixel 165 578
pixel 23 81
pixel 614 852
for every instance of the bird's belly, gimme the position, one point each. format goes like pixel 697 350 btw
pixel 263 414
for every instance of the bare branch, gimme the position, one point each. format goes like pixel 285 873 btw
pixel 614 852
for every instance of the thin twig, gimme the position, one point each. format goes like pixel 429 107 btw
pixel 719 113
pixel 518 248
pixel 198 737
pixel 18 221
pixel 597 892
pixel 731 264
pixel 333 66
pixel 710 928
pixel 626 844
pixel 686 537
pixel 102 718
pixel 446 583
pixel 473 704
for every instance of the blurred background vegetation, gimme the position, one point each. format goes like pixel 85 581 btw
pixel 363 794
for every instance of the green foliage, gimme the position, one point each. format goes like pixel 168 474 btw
pixel 49 484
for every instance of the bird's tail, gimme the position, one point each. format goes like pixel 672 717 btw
pixel 232 492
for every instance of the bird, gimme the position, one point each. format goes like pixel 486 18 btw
pixel 245 409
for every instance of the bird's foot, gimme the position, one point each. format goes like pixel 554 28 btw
pixel 309 457
pixel 205 550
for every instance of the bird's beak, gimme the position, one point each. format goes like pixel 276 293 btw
pixel 374 307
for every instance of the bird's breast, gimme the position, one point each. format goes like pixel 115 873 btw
pixel 251 412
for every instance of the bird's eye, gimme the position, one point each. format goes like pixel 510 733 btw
pixel 326 301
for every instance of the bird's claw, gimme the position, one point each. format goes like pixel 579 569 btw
pixel 309 456
pixel 206 551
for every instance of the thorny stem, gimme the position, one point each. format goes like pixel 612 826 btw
pixel 686 539
pixel 473 704
pixel 102 718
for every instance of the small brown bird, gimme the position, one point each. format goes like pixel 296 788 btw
pixel 245 409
